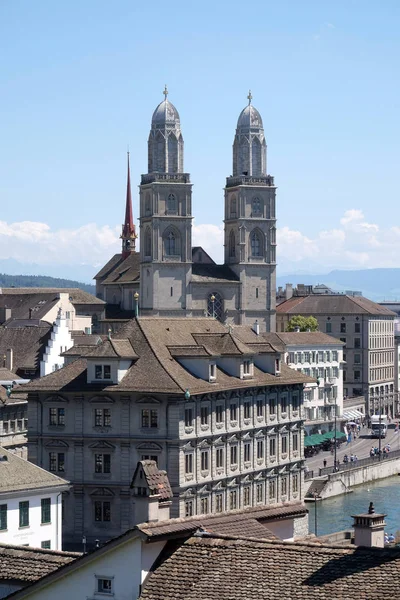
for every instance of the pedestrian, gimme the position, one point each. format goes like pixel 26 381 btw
pixel 352 458
pixel 391 538
pixel 355 458
pixel 372 453
pixel 324 463
pixel 386 539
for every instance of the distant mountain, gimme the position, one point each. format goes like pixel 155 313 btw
pixel 42 281
pixel 376 284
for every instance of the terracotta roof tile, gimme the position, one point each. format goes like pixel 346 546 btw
pixel 219 568
pixel 156 479
pixel 27 564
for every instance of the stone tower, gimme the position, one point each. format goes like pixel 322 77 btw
pixel 250 223
pixel 165 219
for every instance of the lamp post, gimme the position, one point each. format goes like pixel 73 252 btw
pixel 212 298
pixel 335 449
pixel 315 495
pixel 136 297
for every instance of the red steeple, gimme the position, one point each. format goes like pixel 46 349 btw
pixel 128 235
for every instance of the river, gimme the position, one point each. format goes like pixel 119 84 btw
pixel 334 514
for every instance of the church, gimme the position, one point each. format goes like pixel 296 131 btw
pixel 169 277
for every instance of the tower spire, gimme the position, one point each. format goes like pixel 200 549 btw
pixel 128 235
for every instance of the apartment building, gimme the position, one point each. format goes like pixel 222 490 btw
pixel 222 417
pixel 367 331
pixel 319 356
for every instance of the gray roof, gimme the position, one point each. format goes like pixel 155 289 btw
pixel 77 295
pixel 17 474
pixel 156 370
pixel 27 343
pixel 204 272
pixel 124 271
pixel 26 564
pixel 339 304
pixel 309 338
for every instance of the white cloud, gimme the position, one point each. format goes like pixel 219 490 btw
pixel 354 243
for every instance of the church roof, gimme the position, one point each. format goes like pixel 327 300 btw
pixel 249 118
pixel 165 113
pixel 202 272
pixel 126 271
pixel 109 266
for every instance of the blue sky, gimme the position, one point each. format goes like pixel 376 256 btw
pixel 79 82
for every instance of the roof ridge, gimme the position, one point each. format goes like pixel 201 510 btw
pixel 37 549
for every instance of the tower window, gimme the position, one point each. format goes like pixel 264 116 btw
pixel 233 208
pixel 256 206
pixel 172 291
pixel 147 242
pixel 256 243
pixel 232 244
pixel 171 244
pixel 147 209
pixel 171 204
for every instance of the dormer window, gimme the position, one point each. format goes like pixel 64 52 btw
pixel 277 366
pixel 213 372
pixel 247 368
pixel 102 371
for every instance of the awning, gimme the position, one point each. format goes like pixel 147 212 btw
pixel 350 415
pixel 313 440
pixel 330 435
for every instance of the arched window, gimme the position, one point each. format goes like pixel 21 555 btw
pixel 147 206
pixel 256 243
pixel 171 242
pixel 171 204
pixel 233 212
pixel 232 244
pixel 273 235
pixel 256 206
pixel 215 306
pixel 147 242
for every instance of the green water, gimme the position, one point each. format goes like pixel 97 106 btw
pixel 335 513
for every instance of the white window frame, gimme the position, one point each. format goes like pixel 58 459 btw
pixel 104 578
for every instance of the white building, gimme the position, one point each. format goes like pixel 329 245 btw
pixel 320 356
pixel 30 503
pixel 60 341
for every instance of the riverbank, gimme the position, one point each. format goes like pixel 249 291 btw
pixel 342 482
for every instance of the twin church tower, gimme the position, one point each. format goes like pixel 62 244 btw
pixel 173 278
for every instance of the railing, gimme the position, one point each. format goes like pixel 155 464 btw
pixel 308 475
pixel 178 177
pixel 246 180
pixel 361 462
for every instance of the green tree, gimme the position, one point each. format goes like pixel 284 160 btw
pixel 305 323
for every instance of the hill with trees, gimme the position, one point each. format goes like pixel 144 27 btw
pixel 42 281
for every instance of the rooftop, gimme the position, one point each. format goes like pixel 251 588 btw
pixel 76 295
pixel 309 338
pixel 332 304
pixel 19 474
pixel 27 564
pixel 216 567
pixel 151 339
pixel 28 344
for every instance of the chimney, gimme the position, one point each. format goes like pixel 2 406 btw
pixel 256 327
pixel 30 313
pixel 5 314
pixel 369 529
pixel 9 359
pixel 289 290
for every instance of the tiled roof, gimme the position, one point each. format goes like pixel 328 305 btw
pixel 6 375
pixel 309 338
pixel 19 474
pixel 114 348
pixel 156 370
pixel 28 344
pixel 109 266
pixel 219 568
pixel 21 302
pixel 246 334
pixel 332 304
pixel 221 344
pixel 156 479
pixel 203 272
pixel 77 296
pixel 27 564
pixel 126 271
pixel 228 521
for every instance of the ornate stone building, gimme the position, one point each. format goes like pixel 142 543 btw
pixel 217 408
pixel 171 277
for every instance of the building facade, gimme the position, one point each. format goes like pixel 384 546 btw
pixel 171 277
pixel 30 504
pixel 319 356
pixel 223 418
pixel 367 330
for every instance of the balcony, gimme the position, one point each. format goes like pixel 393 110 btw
pixel 165 178
pixel 246 180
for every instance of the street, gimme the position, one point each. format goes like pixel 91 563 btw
pixel 361 447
